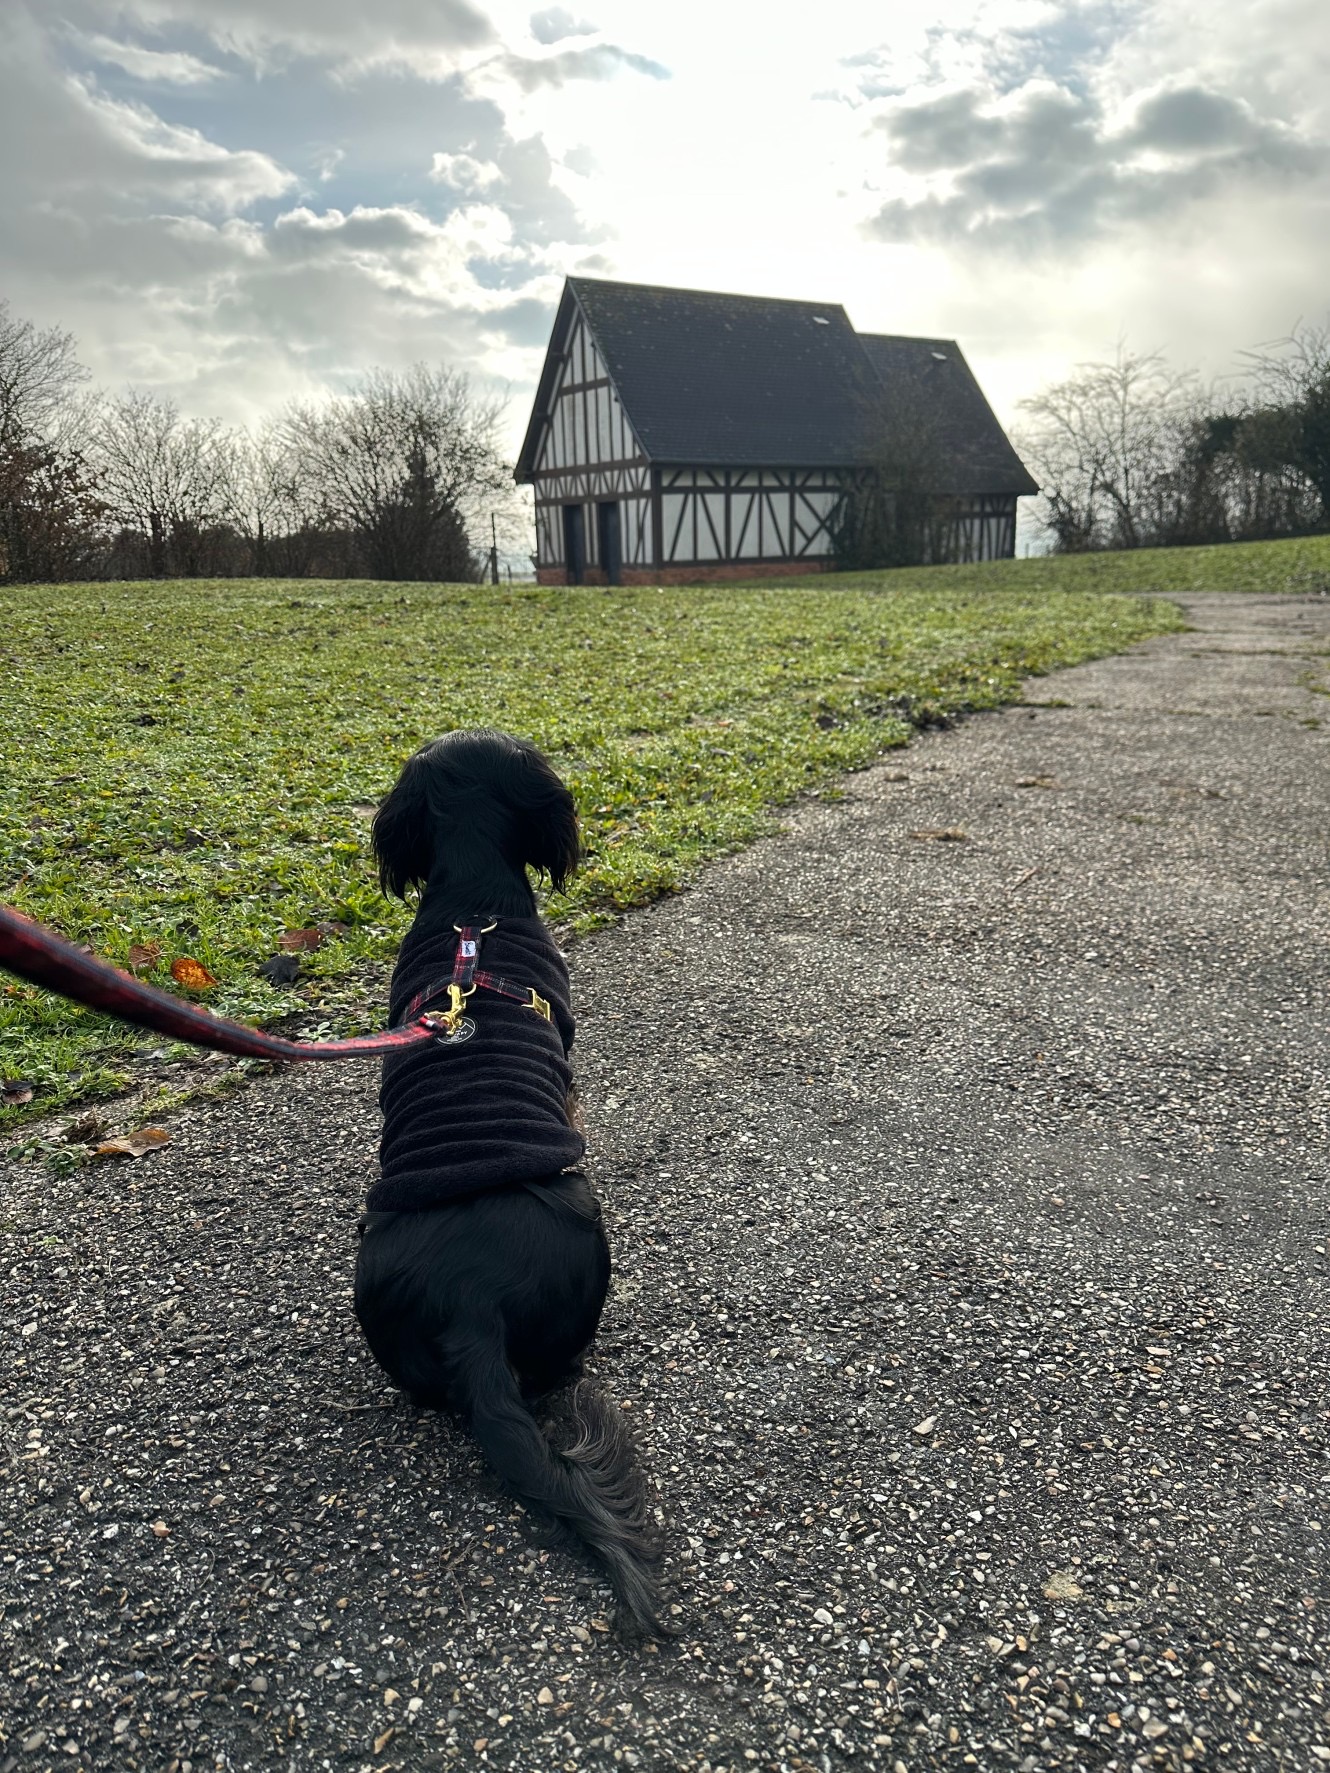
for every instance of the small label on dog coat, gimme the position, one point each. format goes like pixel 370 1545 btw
pixel 469 950
pixel 464 1030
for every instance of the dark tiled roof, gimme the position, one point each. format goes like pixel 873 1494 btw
pixel 753 381
pixel 727 379
pixel 932 378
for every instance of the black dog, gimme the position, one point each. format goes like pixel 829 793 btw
pixel 483 1264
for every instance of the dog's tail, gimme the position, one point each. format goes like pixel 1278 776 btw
pixel 594 1489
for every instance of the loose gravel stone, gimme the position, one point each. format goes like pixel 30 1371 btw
pixel 969 1207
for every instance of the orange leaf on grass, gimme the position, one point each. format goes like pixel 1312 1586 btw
pixel 192 974
pixel 292 941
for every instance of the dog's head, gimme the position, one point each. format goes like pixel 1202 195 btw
pixel 477 785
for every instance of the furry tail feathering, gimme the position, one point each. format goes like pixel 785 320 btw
pixel 594 1489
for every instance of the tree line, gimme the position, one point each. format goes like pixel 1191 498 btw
pixel 1133 453
pixel 1129 453
pixel 403 477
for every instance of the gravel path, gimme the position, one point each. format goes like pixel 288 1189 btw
pixel 969 1204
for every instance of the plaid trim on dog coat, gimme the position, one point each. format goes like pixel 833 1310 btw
pixel 490 1111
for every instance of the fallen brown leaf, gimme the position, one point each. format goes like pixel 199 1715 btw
pixel 292 941
pixel 143 955
pixel 940 834
pixel 14 1093
pixel 135 1144
pixel 192 974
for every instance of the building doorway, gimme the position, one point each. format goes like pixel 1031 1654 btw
pixel 574 543
pixel 610 547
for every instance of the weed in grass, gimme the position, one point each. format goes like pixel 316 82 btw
pixel 193 764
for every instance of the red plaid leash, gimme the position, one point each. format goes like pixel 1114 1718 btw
pixel 43 958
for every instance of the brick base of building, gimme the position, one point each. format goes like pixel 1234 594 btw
pixel 716 573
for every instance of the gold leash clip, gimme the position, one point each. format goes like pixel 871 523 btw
pixel 451 1017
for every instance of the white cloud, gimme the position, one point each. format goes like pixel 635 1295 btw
pixel 153 66
pixel 347 33
pixel 599 61
pixel 555 23
pixel 1042 168
pixel 462 172
pixel 138 234
pixel 167 160
pixel 63 139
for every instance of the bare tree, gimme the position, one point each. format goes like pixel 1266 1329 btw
pixel 50 516
pixel 1102 443
pixel 168 478
pixel 39 377
pixel 409 461
pixel 271 504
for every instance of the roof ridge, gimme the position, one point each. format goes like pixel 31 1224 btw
pixel 908 338
pixel 721 295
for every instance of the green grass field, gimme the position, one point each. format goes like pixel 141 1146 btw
pixel 194 764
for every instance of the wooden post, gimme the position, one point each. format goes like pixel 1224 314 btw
pixel 494 552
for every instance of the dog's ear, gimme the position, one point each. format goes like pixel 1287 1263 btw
pixel 546 816
pixel 402 837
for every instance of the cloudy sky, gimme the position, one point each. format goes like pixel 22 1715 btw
pixel 236 201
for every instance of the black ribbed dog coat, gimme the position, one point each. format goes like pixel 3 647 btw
pixel 491 1111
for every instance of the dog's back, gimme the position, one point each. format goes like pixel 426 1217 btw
pixel 486 1112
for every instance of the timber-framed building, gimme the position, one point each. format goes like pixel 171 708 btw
pixel 684 435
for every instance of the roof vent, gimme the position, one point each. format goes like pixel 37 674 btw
pixel 820 320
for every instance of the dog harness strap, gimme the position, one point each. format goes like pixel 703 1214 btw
pixel 519 994
pixel 468 953
pixel 459 984
pixel 466 978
